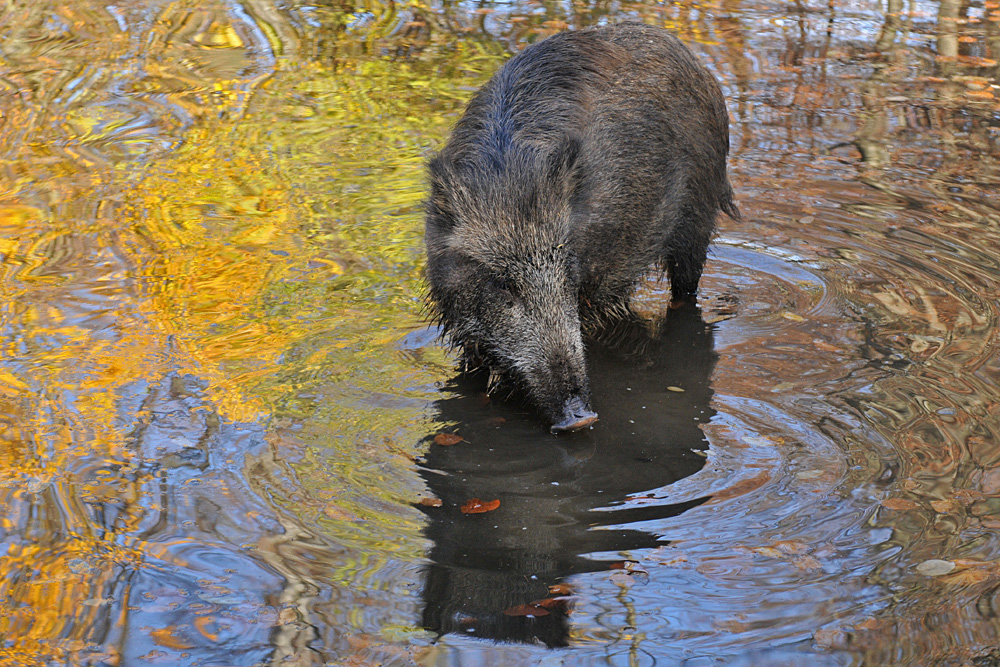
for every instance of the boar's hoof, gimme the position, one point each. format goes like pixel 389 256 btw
pixel 576 415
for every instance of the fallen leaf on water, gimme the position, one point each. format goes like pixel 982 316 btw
pixel 793 317
pixel 900 504
pixel 558 603
pixel 530 609
pixel 477 506
pixel 447 439
pixel 560 589
pixel 624 565
pixel 431 502
pixel 944 506
pixel 673 388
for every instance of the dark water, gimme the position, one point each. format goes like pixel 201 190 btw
pixel 219 397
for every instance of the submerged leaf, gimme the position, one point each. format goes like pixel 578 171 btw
pixel 935 567
pixel 477 506
pixel 530 609
pixel 556 604
pixel 900 504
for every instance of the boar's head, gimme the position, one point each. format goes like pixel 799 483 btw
pixel 504 277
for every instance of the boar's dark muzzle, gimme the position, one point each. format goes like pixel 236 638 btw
pixel 576 415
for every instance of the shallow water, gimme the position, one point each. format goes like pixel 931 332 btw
pixel 220 396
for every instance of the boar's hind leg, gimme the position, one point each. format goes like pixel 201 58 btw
pixel 684 274
pixel 685 258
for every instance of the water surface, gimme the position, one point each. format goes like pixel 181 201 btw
pixel 219 395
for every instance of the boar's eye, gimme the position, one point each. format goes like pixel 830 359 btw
pixel 505 287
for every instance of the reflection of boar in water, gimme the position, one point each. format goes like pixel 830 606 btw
pixel 587 159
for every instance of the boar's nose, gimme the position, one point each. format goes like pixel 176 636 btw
pixel 576 415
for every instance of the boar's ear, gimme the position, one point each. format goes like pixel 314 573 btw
pixel 439 209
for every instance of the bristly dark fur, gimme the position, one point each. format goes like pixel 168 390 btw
pixel 587 159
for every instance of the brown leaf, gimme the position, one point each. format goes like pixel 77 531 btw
pixel 552 604
pixel 530 609
pixel 631 568
pixel 623 565
pixel 944 506
pixel 899 504
pixel 431 502
pixel 561 589
pixel 477 506
pixel 447 439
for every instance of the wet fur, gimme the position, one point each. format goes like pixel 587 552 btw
pixel 586 160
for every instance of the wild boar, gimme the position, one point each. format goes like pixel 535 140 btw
pixel 588 159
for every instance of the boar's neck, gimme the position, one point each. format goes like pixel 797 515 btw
pixel 530 103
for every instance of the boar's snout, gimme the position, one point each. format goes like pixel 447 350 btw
pixel 576 415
